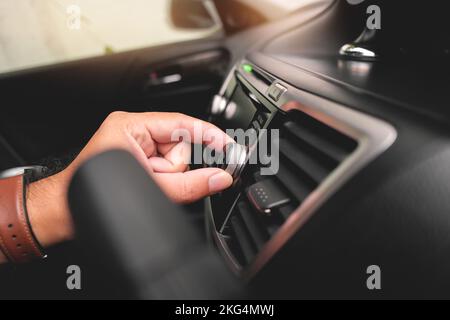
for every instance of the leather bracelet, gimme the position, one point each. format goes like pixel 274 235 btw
pixel 17 240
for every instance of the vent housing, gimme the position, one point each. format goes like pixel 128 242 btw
pixel 309 152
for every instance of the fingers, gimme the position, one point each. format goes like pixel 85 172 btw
pixel 193 185
pixel 176 158
pixel 174 127
pixel 149 135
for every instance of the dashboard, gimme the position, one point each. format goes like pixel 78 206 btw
pixel 363 155
pixel 346 164
pixel 317 145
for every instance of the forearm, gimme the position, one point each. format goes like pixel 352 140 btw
pixel 48 210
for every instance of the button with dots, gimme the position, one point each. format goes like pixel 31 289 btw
pixel 267 195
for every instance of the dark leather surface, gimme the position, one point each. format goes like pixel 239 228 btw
pixel 145 242
pixel 414 47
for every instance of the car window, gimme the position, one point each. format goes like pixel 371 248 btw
pixel 276 9
pixel 36 33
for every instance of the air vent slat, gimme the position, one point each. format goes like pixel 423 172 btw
pixel 286 211
pixel 337 152
pixel 258 234
pixel 243 239
pixel 296 183
pixel 305 161
pixel 333 138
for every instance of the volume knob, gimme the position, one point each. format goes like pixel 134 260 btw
pixel 235 159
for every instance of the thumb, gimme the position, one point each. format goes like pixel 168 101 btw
pixel 193 185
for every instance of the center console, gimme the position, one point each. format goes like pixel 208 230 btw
pixel 315 146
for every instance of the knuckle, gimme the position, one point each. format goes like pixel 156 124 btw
pixel 116 116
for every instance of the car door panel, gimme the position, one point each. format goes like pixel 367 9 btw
pixel 52 110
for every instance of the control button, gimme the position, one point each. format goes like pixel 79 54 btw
pixel 273 93
pixel 219 105
pixel 266 195
pixel 276 91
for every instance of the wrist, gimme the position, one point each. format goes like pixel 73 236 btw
pixel 48 210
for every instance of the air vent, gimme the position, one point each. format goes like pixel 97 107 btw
pixel 309 152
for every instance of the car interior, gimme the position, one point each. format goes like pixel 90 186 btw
pixel 364 157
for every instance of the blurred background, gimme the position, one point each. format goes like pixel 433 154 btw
pixel 38 32
pixel 42 32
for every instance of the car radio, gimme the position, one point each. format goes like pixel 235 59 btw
pixel 313 146
pixel 245 114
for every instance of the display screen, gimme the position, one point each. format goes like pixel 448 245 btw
pixel 240 110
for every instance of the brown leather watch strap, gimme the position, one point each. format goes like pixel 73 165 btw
pixel 17 241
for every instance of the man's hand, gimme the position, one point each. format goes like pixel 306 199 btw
pixel 148 136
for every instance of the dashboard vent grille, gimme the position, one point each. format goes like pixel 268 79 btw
pixel 309 152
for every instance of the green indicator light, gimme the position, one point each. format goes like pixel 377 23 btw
pixel 247 68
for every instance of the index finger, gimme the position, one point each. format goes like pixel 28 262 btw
pixel 174 127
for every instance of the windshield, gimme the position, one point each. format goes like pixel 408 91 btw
pixel 36 33
pixel 275 9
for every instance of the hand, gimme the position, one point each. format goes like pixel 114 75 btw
pixel 147 136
